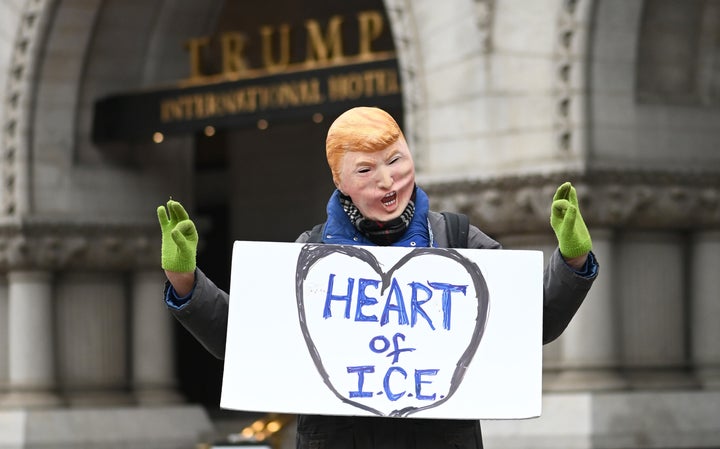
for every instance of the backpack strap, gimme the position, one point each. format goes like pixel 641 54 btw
pixel 316 233
pixel 457 226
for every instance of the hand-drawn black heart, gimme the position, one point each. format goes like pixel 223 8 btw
pixel 388 342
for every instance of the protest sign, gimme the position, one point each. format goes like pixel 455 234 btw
pixel 384 331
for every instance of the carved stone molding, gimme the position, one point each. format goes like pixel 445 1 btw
pixel 19 94
pixel 55 246
pixel 409 53
pixel 485 13
pixel 571 34
pixel 608 199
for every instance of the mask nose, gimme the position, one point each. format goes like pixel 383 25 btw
pixel 385 179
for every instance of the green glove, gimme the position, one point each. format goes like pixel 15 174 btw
pixel 565 219
pixel 179 238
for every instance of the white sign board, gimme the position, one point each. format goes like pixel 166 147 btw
pixel 384 331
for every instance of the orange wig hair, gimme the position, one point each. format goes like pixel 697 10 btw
pixel 365 129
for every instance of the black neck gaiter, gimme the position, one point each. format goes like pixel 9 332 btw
pixel 381 233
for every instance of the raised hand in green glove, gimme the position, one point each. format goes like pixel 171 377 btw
pixel 179 238
pixel 565 219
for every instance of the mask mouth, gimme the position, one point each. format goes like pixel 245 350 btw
pixel 390 199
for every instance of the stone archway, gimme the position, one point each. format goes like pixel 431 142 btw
pixel 78 195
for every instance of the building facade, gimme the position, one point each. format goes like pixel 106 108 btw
pixel 108 108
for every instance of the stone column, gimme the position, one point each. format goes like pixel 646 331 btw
pixel 153 364
pixel 589 356
pixel 3 335
pixel 92 338
pixel 651 279
pixel 31 350
pixel 705 306
pixel 552 353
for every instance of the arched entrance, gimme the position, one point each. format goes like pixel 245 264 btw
pixel 264 85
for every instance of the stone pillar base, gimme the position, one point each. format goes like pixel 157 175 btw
pixel 660 379
pixel 180 427
pixel 709 378
pixel 101 398
pixel 158 396
pixel 29 400
pixel 585 380
pixel 615 420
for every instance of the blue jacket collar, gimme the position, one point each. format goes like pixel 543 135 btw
pixel 340 231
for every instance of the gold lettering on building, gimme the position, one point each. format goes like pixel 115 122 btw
pixel 324 46
pixel 291 94
pixel 250 99
pixel 271 62
pixel 193 47
pixel 369 83
pixel 371 27
pixel 233 49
